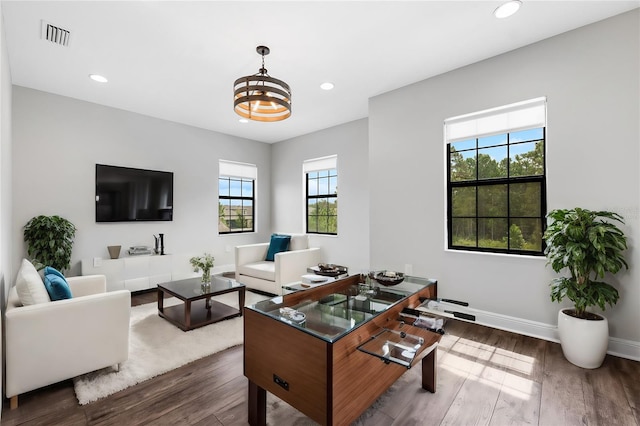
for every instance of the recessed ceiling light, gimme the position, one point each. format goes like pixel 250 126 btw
pixel 507 9
pixel 243 120
pixel 98 78
pixel 326 86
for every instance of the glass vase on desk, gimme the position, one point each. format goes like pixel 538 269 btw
pixel 365 286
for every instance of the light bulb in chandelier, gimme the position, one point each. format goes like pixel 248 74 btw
pixel 261 104
pixel 260 97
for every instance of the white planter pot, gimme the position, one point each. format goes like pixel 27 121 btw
pixel 584 342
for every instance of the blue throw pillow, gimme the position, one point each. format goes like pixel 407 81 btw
pixel 278 243
pixel 57 286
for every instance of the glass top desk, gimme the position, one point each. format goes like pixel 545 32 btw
pixel 333 315
pixel 320 349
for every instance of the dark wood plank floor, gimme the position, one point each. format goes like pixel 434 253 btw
pixel 486 377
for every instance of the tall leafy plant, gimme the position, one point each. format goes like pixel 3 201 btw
pixel 49 241
pixel 588 244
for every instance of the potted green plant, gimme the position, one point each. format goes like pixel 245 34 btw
pixel 49 241
pixel 589 245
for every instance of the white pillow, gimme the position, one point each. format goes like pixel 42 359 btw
pixel 29 285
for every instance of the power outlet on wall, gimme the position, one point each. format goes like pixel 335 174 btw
pixel 97 262
pixel 408 269
pixel 227 248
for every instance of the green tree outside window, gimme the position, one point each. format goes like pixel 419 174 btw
pixel 496 192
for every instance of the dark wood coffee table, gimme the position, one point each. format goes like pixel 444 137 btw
pixel 198 309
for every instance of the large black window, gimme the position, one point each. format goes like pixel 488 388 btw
pixel 322 201
pixel 236 197
pixel 496 192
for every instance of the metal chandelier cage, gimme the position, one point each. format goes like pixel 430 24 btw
pixel 260 97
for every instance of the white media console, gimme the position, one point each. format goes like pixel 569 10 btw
pixel 135 273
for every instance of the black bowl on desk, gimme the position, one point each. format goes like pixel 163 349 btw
pixel 386 280
pixel 329 269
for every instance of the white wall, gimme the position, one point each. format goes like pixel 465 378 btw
pixel 5 179
pixel 591 79
pixel 58 141
pixel 349 142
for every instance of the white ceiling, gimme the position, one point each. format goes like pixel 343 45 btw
pixel 178 60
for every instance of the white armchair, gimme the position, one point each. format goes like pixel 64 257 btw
pixel 255 272
pixel 54 341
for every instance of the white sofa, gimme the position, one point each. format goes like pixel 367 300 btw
pixel 255 272
pixel 54 341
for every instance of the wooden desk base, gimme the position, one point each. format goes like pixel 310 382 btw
pixel 331 382
pixel 258 396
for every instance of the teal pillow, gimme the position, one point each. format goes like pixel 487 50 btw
pixel 56 285
pixel 278 243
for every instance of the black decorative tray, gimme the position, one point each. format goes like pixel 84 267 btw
pixel 329 269
pixel 382 278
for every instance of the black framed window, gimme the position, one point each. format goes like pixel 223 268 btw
pixel 322 201
pixel 236 205
pixel 496 193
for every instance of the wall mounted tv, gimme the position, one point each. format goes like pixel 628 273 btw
pixel 124 194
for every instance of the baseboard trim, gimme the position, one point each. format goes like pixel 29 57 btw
pixel 623 348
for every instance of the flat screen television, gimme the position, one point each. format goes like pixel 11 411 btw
pixel 125 194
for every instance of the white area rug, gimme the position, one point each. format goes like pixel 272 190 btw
pixel 156 346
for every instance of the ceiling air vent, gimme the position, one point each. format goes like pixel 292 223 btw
pixel 55 34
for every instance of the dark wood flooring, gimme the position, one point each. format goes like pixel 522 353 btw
pixel 485 377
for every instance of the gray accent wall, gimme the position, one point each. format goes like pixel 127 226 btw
pixel 5 183
pixel 349 142
pixel 590 77
pixel 59 140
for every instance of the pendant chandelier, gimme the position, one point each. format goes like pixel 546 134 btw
pixel 260 97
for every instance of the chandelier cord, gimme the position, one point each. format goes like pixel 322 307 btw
pixel 263 71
